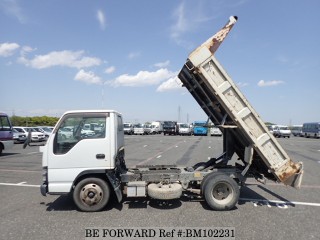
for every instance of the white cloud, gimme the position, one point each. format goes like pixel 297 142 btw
pixel 63 58
pixel 173 83
pixel 180 26
pixel 162 64
pixel 282 59
pixel 143 78
pixel 101 18
pixel 26 49
pixel 12 8
pixel 263 83
pixel 87 77
pixel 8 49
pixel 110 69
pixel 133 55
pixel 183 24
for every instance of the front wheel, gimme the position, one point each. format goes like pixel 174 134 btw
pixel 221 192
pixel 91 194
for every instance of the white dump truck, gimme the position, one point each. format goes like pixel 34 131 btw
pixel 91 167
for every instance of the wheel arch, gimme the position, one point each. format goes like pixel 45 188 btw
pixel 97 173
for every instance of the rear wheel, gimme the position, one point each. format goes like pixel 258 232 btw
pixel 91 194
pixel 221 192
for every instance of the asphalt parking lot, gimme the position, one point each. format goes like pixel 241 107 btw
pixel 271 211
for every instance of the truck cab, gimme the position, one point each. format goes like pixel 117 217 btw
pixel 67 160
pixel 170 128
pixel 156 127
pixel 184 129
pixel 128 128
pixel 200 128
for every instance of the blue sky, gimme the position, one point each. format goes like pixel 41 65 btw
pixel 124 55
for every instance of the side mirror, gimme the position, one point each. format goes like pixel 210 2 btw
pixel 28 140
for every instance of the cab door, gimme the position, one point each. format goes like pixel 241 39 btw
pixel 78 145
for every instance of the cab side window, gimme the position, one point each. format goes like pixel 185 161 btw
pixel 5 123
pixel 120 124
pixel 75 128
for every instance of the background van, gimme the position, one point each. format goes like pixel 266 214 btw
pixel 311 129
pixel 281 131
pixel 6 133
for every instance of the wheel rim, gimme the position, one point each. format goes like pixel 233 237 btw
pixel 222 192
pixel 91 194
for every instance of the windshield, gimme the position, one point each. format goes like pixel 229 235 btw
pixel 126 125
pixel 184 125
pixel 284 128
pixel 199 124
pixel 169 124
pixel 47 129
pixel 19 130
pixel 34 130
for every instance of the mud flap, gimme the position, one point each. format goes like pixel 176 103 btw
pixel 116 185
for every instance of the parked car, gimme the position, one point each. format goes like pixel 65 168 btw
pixel 215 131
pixel 19 137
pixel 156 127
pixel 200 128
pixel 87 133
pixel 271 128
pixel 128 128
pixel 170 128
pixel 296 130
pixel 184 129
pixel 45 131
pixel 138 129
pixel 35 136
pixel 281 131
pixel 147 129
pixel 91 128
pixel 65 133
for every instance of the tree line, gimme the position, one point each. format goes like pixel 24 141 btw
pixel 33 121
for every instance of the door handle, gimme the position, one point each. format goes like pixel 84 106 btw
pixel 100 156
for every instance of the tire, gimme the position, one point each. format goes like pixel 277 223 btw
pixel 1 148
pixel 165 192
pixel 221 192
pixel 91 194
pixel 208 177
